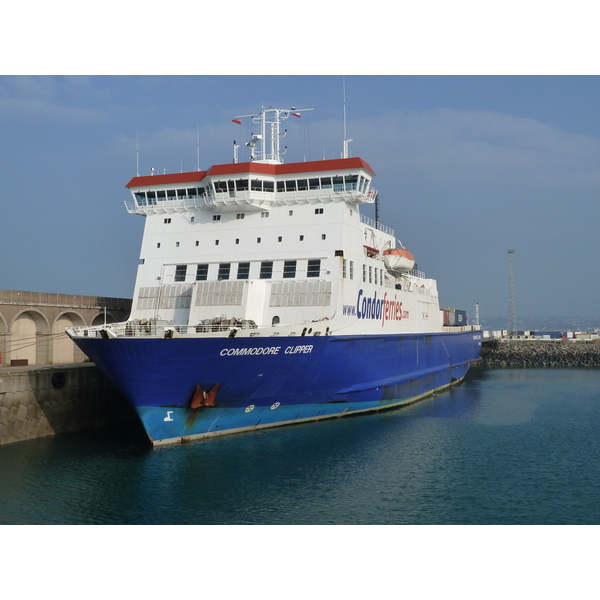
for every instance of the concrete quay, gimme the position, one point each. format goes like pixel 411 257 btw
pixel 540 353
pixel 39 401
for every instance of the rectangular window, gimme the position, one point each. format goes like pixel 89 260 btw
pixel 314 268
pixel 376 276
pixel 243 270
pixel 290 186
pixel 301 238
pixel 266 269
pixel 318 211
pixel 216 242
pixel 240 216
pixel 302 185
pixel 180 272
pixel 237 240
pixel 224 269
pixel 323 236
pixel 241 185
pixel 202 272
pixel 351 182
pixel 344 268
pixel 289 269
pixel 258 240
pixel 313 184
pixel 166 220
pixel 351 269
pixel 264 215
pixel 279 239
pixel 216 217
pixel 370 274
pixel 364 273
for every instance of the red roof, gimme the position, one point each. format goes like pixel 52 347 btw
pixel 314 166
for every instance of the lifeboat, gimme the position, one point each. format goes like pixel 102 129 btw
pixel 398 260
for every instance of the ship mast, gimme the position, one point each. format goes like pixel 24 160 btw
pixel 265 146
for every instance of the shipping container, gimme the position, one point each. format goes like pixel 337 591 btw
pixel 454 317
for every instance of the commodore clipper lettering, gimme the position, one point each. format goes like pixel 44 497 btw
pixel 264 297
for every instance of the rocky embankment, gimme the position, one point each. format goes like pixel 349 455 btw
pixel 537 353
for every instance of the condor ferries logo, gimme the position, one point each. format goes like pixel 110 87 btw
pixel 379 309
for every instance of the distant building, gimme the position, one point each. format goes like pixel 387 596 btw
pixel 32 324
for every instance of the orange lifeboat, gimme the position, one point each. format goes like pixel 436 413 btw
pixel 398 260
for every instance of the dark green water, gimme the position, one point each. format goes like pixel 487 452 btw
pixel 511 446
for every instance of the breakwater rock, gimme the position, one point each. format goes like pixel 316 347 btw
pixel 537 353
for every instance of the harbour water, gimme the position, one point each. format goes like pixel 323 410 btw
pixel 508 446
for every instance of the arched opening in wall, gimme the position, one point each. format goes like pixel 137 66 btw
pixel 63 349
pixel 99 319
pixel 275 321
pixel 29 338
pixel 3 337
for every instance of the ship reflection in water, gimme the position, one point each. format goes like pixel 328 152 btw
pixel 478 453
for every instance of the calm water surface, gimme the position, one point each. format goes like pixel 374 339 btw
pixel 508 446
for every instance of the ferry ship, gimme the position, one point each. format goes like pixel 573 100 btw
pixel 264 298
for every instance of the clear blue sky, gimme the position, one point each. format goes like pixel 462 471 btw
pixel 467 167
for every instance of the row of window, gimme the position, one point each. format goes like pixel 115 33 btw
pixel 370 274
pixel 224 271
pixel 258 240
pixel 338 183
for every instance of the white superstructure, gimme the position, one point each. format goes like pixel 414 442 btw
pixel 265 244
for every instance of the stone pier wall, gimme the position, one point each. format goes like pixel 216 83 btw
pixel 42 401
pixel 538 353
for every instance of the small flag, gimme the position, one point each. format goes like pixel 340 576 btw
pixel 236 121
pixel 296 115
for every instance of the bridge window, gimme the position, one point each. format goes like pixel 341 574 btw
pixel 351 182
pixel 241 185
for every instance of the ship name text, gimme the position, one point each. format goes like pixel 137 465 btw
pixel 274 350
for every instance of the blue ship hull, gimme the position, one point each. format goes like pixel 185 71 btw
pixel 188 388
